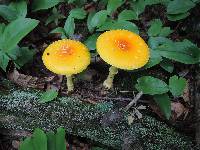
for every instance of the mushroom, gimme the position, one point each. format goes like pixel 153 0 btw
pixel 66 57
pixel 121 49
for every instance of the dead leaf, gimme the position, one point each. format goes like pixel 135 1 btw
pixel 15 144
pixel 138 114
pixel 178 110
pixel 156 110
pixel 87 75
pixel 25 80
pixel 141 107
pixel 186 93
pixel 130 119
pixel 54 82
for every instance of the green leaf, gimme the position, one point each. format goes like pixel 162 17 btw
pixel 7 13
pixel 25 55
pixel 120 24
pixel 58 30
pixel 39 140
pixel 113 5
pixel 178 16
pixel 150 85
pixel 51 141
pixel 165 32
pixel 91 41
pixel 2 27
pixel 78 3
pixel 42 141
pixel 48 96
pixel 54 17
pixel 26 144
pixel 177 85
pixel 78 13
pixel 44 4
pixel 20 7
pixel 155 29
pixel 60 139
pixel 99 18
pixel 4 59
pixel 167 65
pixel 179 6
pixel 13 53
pixel 138 6
pixel 196 1
pixel 185 52
pixel 71 1
pixel 153 2
pixel 164 103
pixel 155 42
pixel 16 30
pixel 107 25
pixel 127 15
pixel 126 25
pixel 69 26
pixel 155 59
pixel 89 19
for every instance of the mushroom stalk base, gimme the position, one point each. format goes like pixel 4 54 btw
pixel 70 85
pixel 108 83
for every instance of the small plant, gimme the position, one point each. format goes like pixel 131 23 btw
pixel 10 36
pixel 14 10
pixel 54 17
pixel 41 141
pixel 159 89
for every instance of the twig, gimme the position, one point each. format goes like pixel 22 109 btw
pixel 117 99
pixel 137 97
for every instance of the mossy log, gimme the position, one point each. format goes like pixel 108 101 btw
pixel 20 110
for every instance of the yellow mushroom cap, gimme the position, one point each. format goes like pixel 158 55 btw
pixel 123 49
pixel 66 57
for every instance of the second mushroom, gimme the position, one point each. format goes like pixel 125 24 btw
pixel 121 49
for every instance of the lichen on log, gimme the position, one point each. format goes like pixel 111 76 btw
pixel 20 110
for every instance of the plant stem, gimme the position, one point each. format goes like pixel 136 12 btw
pixel 70 85
pixel 108 83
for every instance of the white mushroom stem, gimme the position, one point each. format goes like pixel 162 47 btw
pixel 108 83
pixel 70 85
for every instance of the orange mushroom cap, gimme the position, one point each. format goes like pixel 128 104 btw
pixel 66 57
pixel 123 49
